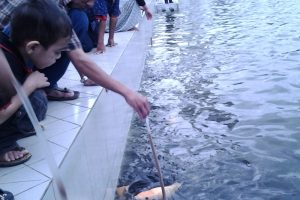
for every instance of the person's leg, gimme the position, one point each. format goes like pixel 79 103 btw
pixel 19 126
pixel 57 70
pixel 10 153
pixel 112 26
pixel 100 36
pixel 114 12
pixel 100 15
pixel 80 24
pixel 54 73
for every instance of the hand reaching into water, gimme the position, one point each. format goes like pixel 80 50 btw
pixel 147 12
pixel 139 103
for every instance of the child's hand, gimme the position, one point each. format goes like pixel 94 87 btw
pixel 148 14
pixel 36 80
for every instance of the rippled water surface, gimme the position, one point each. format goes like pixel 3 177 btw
pixel 222 77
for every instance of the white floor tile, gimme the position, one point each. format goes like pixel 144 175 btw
pixel 93 90
pixel 78 118
pixel 38 152
pixel 29 141
pixel 9 170
pixel 43 167
pixel 49 193
pixel 22 180
pixel 66 111
pixel 48 120
pixel 69 83
pixel 85 100
pixel 65 139
pixel 58 127
pixel 34 193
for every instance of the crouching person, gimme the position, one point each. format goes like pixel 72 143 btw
pixel 40 31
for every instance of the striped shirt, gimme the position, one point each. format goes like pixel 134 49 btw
pixel 7 6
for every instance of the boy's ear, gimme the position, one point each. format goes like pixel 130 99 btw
pixel 31 46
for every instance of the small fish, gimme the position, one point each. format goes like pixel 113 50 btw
pixel 156 193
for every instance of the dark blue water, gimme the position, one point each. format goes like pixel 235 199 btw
pixel 223 79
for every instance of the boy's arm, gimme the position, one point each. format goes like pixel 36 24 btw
pixel 34 80
pixel 85 65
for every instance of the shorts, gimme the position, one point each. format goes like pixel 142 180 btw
pixel 106 7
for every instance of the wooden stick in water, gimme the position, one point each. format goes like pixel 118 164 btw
pixel 162 185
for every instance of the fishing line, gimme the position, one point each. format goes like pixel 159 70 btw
pixel 161 181
pixel 37 127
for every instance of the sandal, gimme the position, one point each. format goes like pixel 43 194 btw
pixel 5 195
pixel 61 94
pixel 18 161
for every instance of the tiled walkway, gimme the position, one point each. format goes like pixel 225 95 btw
pixel 64 119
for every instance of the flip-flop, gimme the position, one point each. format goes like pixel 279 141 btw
pixel 63 97
pixel 111 45
pixel 19 161
pixel 6 195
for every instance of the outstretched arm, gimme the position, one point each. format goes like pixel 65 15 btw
pixel 145 8
pixel 85 65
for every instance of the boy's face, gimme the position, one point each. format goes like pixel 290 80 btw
pixel 42 57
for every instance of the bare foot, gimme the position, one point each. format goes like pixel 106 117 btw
pixel 111 43
pixel 100 48
pixel 14 157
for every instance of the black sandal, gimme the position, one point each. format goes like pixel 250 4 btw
pixel 62 97
pixel 18 161
pixel 5 195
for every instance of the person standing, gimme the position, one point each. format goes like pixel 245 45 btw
pixel 131 14
pixel 101 10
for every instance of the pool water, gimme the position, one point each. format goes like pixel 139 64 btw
pixel 223 79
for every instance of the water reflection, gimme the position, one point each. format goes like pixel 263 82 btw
pixel 223 79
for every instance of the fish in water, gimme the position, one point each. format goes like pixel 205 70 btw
pixel 153 194
pixel 156 193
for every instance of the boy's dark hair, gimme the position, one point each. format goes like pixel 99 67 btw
pixel 41 20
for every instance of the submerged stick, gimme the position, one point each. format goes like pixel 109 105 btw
pixel 37 127
pixel 161 181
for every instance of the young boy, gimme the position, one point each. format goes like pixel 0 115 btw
pixel 40 31
pixel 101 9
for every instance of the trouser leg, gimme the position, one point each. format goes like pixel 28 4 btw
pixel 57 70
